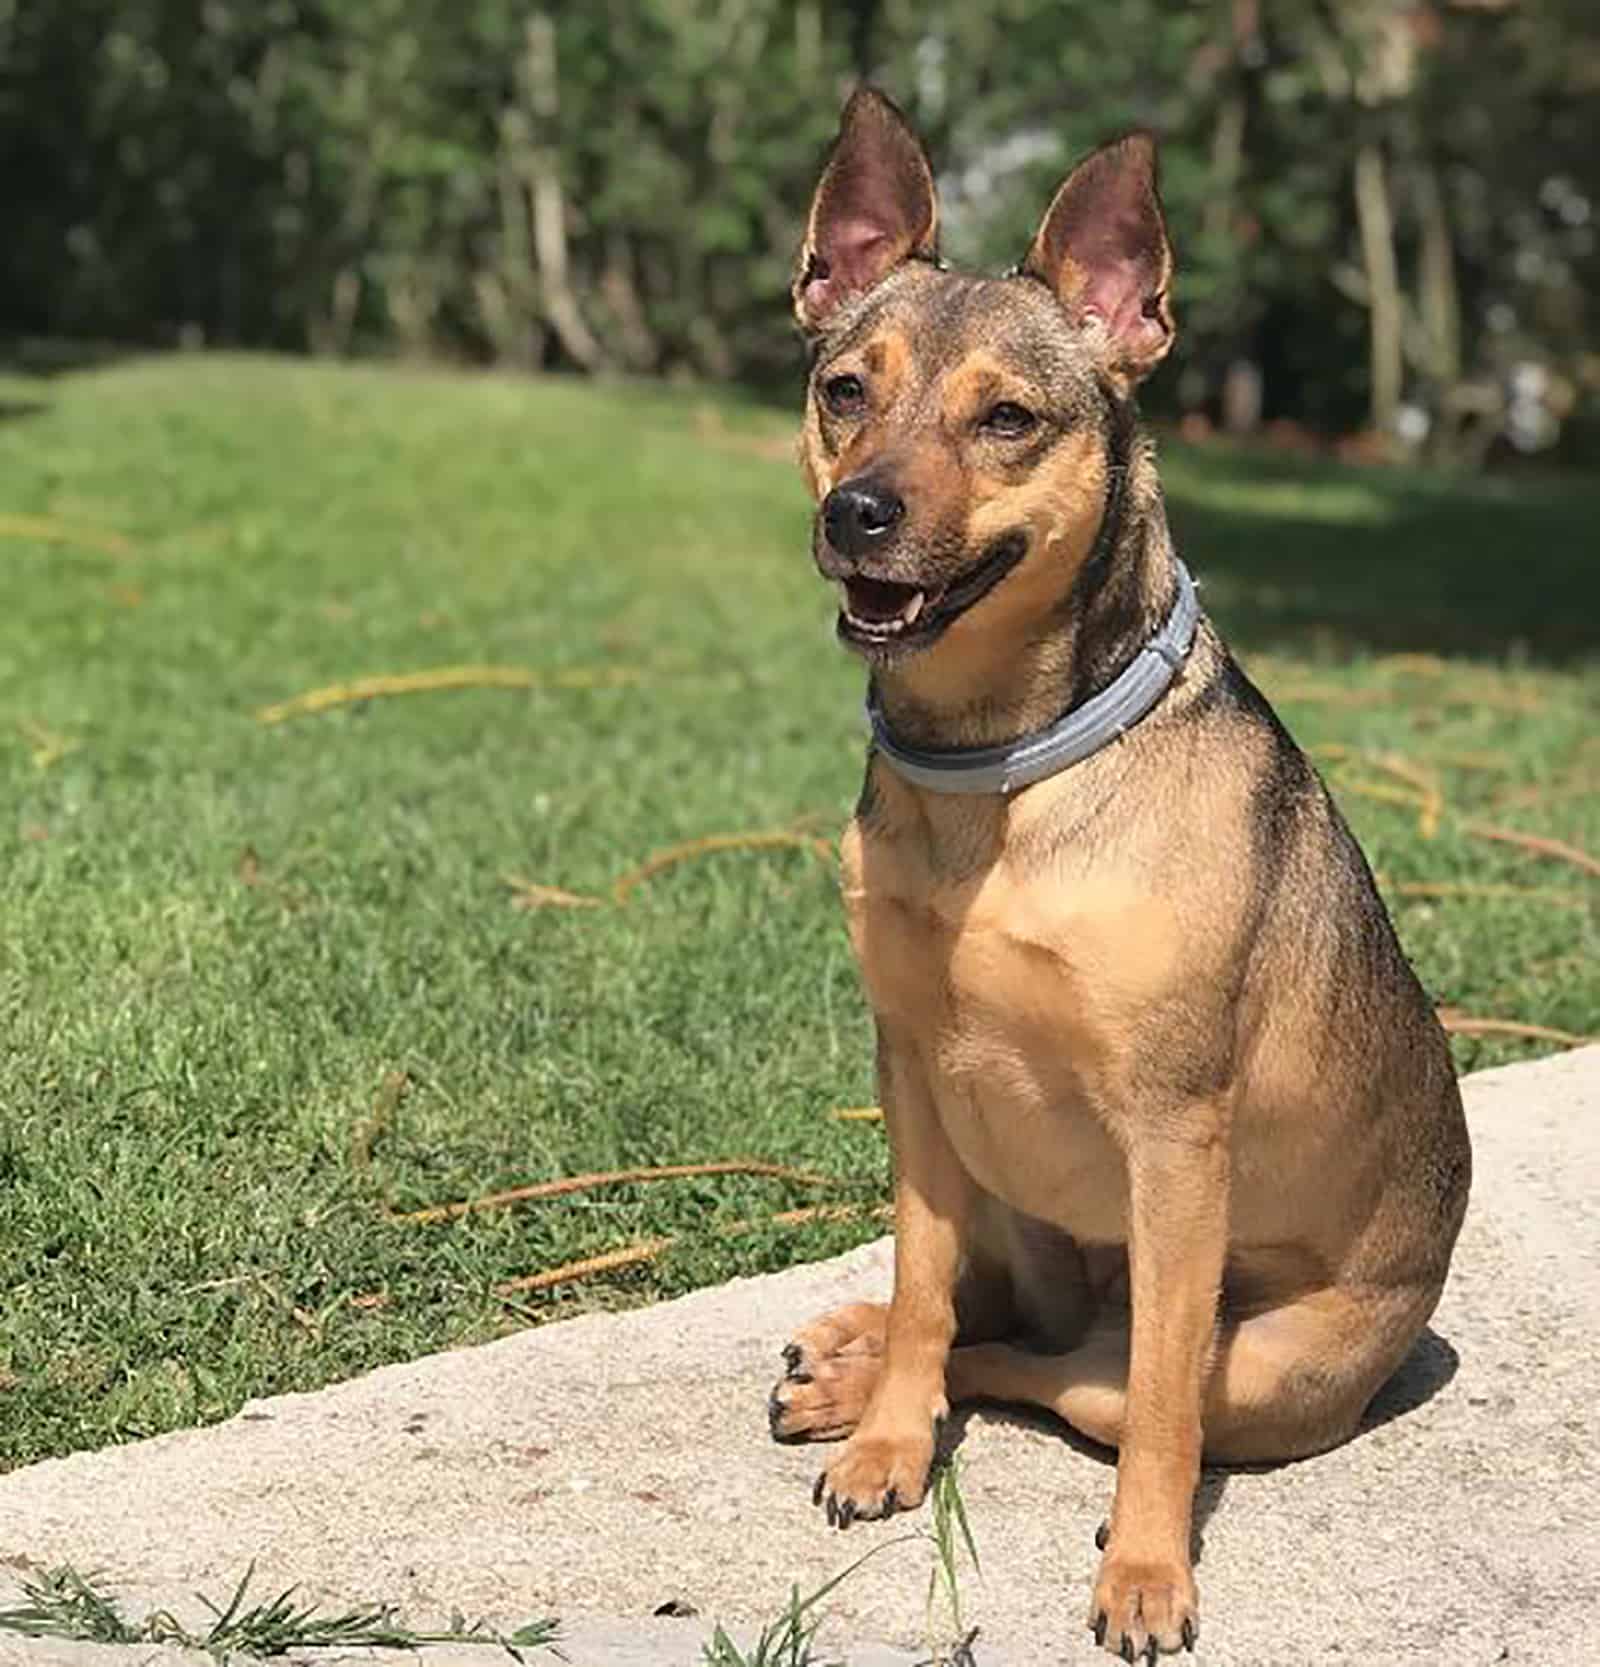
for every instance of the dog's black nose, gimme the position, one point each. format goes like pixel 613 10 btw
pixel 859 515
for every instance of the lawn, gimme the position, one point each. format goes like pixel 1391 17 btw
pixel 265 987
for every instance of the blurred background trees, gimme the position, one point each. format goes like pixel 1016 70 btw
pixel 1385 212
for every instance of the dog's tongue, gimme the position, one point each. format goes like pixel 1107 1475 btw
pixel 879 600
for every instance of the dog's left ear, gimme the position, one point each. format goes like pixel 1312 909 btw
pixel 1103 249
pixel 874 208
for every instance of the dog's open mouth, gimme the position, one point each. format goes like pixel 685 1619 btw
pixel 884 613
pixel 878 609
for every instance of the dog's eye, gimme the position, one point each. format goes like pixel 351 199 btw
pixel 1008 420
pixel 844 396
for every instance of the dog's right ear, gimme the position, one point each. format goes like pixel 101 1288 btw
pixel 874 208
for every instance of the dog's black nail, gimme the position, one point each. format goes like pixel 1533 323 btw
pixel 891 1503
pixel 774 1411
pixel 847 1513
pixel 816 1492
pixel 1099 1628
pixel 833 1511
pixel 1188 1634
pixel 1151 1651
pixel 1126 1652
pixel 1102 1536
pixel 791 1355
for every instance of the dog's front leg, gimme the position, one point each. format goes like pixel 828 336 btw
pixel 1144 1597
pixel 885 1463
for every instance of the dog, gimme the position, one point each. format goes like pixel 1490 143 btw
pixel 1178 1148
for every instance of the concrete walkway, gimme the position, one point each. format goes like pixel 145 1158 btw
pixel 598 1469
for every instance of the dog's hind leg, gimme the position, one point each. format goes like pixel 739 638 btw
pixel 1285 1383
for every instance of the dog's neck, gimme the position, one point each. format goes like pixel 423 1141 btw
pixel 1118 598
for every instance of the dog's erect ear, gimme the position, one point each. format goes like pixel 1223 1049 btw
pixel 874 208
pixel 1103 249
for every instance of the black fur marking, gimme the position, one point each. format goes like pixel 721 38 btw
pixel 1109 596
pixel 1120 427
pixel 1284 785
pixel 867 801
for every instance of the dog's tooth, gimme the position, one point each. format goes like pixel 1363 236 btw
pixel 912 609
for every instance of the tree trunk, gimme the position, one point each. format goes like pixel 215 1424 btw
pixel 549 209
pixel 1375 218
pixel 1439 300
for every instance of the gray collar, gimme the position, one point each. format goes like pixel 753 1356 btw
pixel 1072 737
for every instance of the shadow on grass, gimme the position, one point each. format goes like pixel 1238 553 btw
pixel 38 359
pixel 1318 560
pixel 47 356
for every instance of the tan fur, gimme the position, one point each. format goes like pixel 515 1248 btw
pixel 1178 1153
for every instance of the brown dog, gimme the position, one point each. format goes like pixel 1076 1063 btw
pixel 1178 1148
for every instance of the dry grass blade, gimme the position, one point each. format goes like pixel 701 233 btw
pixel 530 894
pixel 610 1177
pixel 1475 888
pixel 1325 694
pixel 858 1114
pixel 1468 1024
pixel 446 677
pixel 1525 798
pixel 390 1092
pixel 629 1256
pixel 647 1250
pixel 1491 762
pixel 1566 962
pixel 44 529
pixel 1425 791
pixel 1418 665
pixel 1385 794
pixel 1432 807
pixel 776 839
pixel 1538 844
pixel 45 746
pixel 1523 702
pixel 815 1212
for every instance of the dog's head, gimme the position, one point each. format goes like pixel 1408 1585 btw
pixel 959 429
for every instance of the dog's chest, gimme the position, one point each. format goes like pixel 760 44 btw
pixel 1018 998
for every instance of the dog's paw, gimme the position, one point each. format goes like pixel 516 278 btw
pixel 830 1368
pixel 852 1332
pixel 824 1403
pixel 1144 1607
pixel 875 1476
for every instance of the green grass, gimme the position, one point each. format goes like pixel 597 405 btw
pixel 222 937
pixel 65 1604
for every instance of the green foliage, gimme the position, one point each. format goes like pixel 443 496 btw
pixel 620 185
pixel 950 1533
pixel 65 1604
pixel 791 1639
